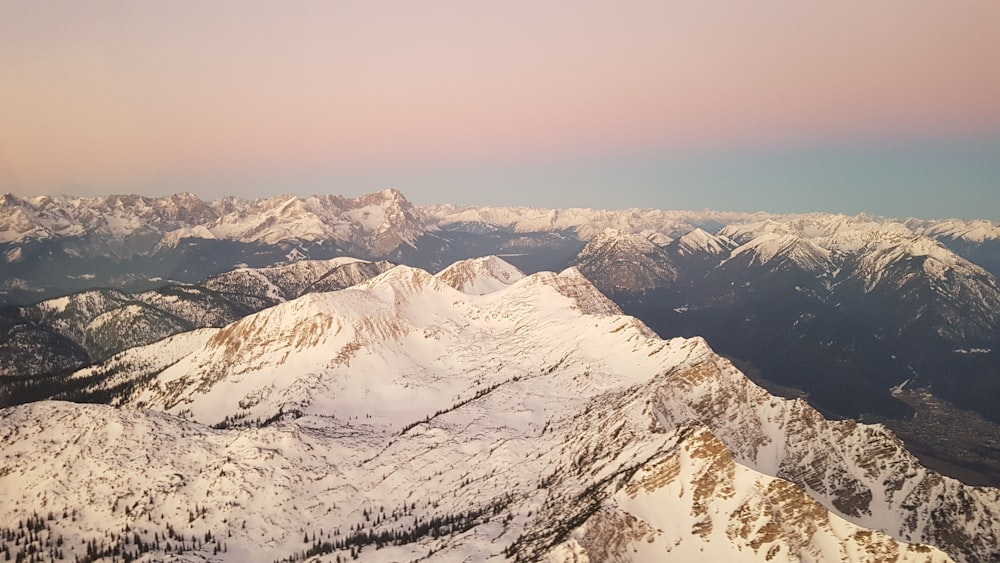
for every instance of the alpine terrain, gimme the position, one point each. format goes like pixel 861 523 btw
pixel 331 378
pixel 477 414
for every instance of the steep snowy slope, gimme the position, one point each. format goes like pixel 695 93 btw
pixel 696 489
pixel 126 483
pixel 69 332
pixel 114 380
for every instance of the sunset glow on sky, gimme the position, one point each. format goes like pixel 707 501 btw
pixel 888 107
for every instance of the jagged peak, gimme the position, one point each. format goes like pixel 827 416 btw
pixel 392 194
pixel 9 199
pixel 779 437
pixel 390 197
pixel 770 246
pixel 480 275
pixel 619 242
pixel 700 240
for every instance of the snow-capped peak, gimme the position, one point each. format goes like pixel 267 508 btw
pixel 620 241
pixel 700 241
pixel 783 248
pixel 480 275
pixel 976 231
pixel 617 260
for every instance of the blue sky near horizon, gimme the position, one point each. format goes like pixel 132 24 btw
pixel 955 178
pixel 890 108
pixel 927 179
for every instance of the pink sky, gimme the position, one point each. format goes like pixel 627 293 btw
pixel 133 96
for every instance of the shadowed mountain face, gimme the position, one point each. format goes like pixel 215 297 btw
pixel 391 419
pixel 844 312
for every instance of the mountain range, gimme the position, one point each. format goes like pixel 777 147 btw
pixel 390 421
pixel 470 403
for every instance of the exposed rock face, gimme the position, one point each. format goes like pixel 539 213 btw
pixel 860 471
pixel 752 517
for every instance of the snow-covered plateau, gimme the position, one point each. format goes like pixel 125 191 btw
pixel 474 415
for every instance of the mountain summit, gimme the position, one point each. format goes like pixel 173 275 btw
pixel 622 261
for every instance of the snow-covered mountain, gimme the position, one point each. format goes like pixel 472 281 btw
pixel 619 261
pixel 53 246
pixel 700 242
pixel 379 221
pixel 69 332
pixel 978 241
pixel 390 421
pixel 48 244
pixel 977 231
pixel 858 304
pixel 903 267
pixel 839 310
pixel 283 283
pixel 121 222
pixel 587 223
pixel 480 275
